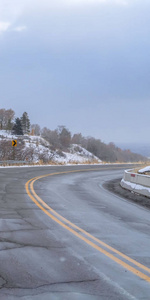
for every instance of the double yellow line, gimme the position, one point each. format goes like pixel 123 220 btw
pixel 89 239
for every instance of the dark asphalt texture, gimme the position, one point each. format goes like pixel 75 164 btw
pixel 41 260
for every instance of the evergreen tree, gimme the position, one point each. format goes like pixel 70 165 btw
pixel 25 123
pixel 17 128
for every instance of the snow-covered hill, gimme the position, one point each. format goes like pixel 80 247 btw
pixel 36 148
pixel 77 154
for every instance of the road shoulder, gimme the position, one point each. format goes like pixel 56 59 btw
pixel 114 187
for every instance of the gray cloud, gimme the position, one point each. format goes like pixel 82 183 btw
pixel 86 66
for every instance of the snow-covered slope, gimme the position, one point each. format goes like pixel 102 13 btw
pixel 6 134
pixel 38 149
pixel 77 154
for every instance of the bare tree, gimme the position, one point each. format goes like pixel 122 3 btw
pixel 9 118
pixel 6 118
pixel 77 138
pixel 52 137
pixel 35 128
pixel 64 136
pixel 7 152
pixel 28 154
pixel 2 118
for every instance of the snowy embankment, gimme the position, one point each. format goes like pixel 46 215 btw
pixel 77 154
pixel 6 134
pixel 144 170
pixel 37 149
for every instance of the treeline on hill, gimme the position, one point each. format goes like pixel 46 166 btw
pixel 19 126
pixel 61 138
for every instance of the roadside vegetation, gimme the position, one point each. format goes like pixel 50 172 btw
pixel 48 143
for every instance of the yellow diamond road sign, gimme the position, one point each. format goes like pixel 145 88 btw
pixel 14 143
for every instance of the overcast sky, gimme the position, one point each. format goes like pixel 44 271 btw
pixel 80 63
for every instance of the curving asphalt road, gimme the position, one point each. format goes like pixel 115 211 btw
pixel 63 236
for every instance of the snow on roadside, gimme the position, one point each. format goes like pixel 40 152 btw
pixel 146 169
pixel 136 188
pixel 6 134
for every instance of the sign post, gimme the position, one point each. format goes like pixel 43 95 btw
pixel 14 144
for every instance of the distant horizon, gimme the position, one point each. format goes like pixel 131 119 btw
pixel 141 148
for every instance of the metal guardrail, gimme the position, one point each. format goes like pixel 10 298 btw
pixel 14 162
pixel 137 183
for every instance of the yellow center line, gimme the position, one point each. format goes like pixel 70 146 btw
pixel 37 200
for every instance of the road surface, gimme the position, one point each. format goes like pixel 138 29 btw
pixel 63 236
